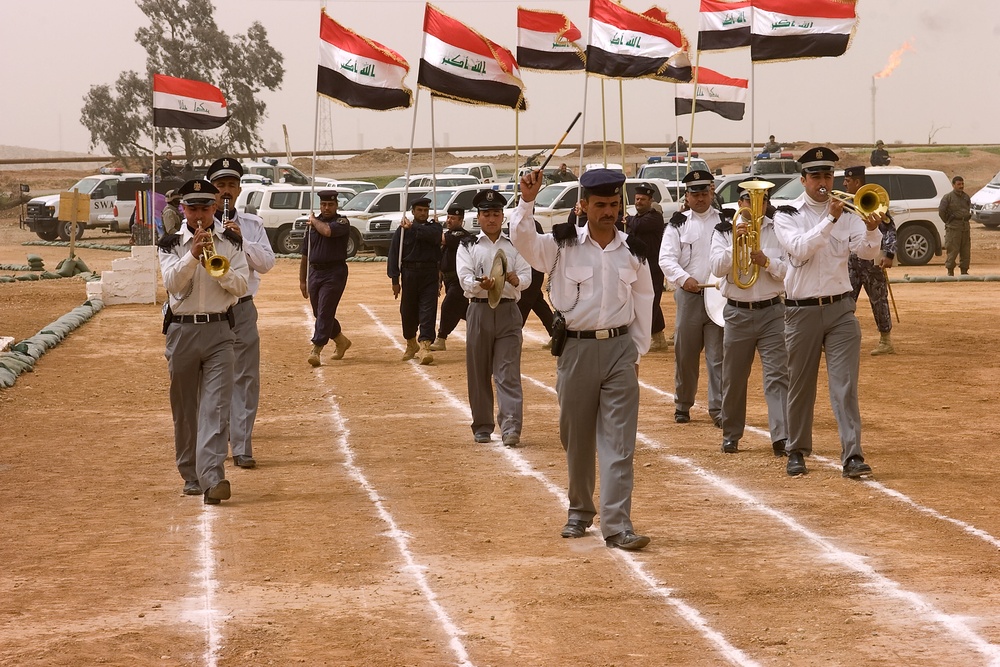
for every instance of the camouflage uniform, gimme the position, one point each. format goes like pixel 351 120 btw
pixel 869 274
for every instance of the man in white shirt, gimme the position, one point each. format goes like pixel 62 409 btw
pixel 819 235
pixel 685 258
pixel 755 323
pixel 198 323
pixel 225 174
pixel 493 343
pixel 601 285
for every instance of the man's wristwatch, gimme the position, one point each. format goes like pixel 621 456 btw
pixel 831 218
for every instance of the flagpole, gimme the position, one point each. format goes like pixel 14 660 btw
pixel 433 160
pixel 152 113
pixel 517 148
pixel 409 164
pixel 312 191
pixel 583 125
pixel 694 108
pixel 621 121
pixel 753 114
pixel 604 127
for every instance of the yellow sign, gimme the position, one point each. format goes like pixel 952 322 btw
pixel 74 202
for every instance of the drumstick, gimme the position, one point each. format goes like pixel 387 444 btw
pixel 559 143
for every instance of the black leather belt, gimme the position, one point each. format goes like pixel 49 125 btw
pixel 600 334
pixel 200 318
pixel 244 299
pixel 476 299
pixel 754 305
pixel 818 301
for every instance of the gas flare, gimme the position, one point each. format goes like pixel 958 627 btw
pixel 895 58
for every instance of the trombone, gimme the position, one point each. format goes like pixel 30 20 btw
pixel 217 265
pixel 744 272
pixel 870 198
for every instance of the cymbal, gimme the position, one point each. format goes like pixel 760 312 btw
pixel 498 272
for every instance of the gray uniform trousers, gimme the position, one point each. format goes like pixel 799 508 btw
pixel 748 331
pixel 598 414
pixel 695 331
pixel 493 355
pixel 200 362
pixel 809 331
pixel 246 384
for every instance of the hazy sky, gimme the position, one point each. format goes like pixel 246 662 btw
pixel 54 50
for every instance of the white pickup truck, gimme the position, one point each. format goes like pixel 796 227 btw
pixel 43 212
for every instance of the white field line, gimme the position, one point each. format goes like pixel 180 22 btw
pixel 211 616
pixel 878 582
pixel 835 464
pixel 523 466
pixel 399 536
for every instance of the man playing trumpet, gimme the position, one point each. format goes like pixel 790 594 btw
pixel 755 320
pixel 198 323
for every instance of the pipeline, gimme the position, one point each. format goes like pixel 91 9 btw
pixel 907 278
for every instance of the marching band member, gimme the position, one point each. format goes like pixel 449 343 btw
pixel 198 323
pixel 819 234
pixel 755 322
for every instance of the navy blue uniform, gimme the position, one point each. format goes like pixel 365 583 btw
pixel 455 304
pixel 418 277
pixel 532 299
pixel 649 228
pixel 327 258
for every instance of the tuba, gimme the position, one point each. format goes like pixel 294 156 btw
pixel 217 265
pixel 744 272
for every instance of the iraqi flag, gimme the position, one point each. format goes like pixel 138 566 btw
pixel 548 41
pixel 720 94
pixel 462 65
pixel 187 104
pixel 627 45
pixel 358 72
pixel 724 24
pixel 792 29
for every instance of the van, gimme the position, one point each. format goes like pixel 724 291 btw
pixel 986 204
pixel 484 171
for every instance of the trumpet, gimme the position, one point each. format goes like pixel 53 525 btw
pixel 744 272
pixel 870 198
pixel 217 265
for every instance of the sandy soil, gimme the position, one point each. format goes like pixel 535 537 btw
pixel 375 532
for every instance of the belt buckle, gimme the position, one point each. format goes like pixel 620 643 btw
pixel 201 318
pixel 602 334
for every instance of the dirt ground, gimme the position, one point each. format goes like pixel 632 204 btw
pixel 375 532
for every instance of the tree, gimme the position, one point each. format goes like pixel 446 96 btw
pixel 184 41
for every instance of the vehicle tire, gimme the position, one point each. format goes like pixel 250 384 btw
pixel 915 246
pixel 991 225
pixel 381 251
pixel 283 242
pixel 66 228
pixel 353 242
pixel 48 235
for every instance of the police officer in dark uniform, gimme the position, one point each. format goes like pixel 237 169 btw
pixel 648 224
pixel 454 305
pixel 414 256
pixel 323 274
pixel 198 323
pixel 532 301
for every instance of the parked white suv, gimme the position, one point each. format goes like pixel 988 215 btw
pixel 484 171
pixel 914 195
pixel 554 202
pixel 986 204
pixel 279 205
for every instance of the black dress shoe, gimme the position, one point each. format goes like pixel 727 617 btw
pixel 627 540
pixel 244 462
pixel 575 528
pixel 796 464
pixel 218 493
pixel 779 447
pixel 682 417
pixel 730 446
pixel 856 467
pixel 192 489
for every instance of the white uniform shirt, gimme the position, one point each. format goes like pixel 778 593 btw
pixel 614 285
pixel 188 284
pixel 685 251
pixel 475 261
pixel 260 255
pixel 770 281
pixel 818 249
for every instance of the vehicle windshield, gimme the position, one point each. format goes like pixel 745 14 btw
pixel 86 185
pixel 397 182
pixel 548 195
pixel 996 180
pixel 455 170
pixel 360 202
pixel 790 190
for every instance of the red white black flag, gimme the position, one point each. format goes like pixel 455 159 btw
pixel 187 104
pixel 792 29
pixel 359 72
pixel 548 41
pixel 725 24
pixel 462 65
pixel 628 45
pixel 717 93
